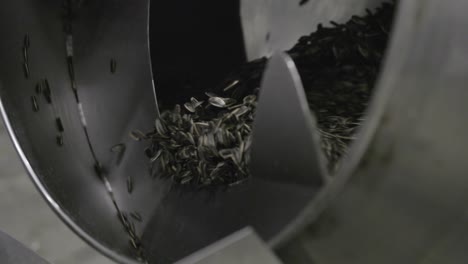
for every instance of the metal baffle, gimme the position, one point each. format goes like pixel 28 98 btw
pixel 405 201
pixel 242 247
pixel 282 117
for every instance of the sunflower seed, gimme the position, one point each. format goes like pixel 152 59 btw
pixel 186 180
pixel 156 156
pixel 133 243
pixel 240 111
pixel 118 148
pixel 71 68
pixel 123 218
pixel 113 65
pixel 217 102
pixel 47 91
pixel 26 41
pixel 210 94
pixel 26 70
pixel 149 152
pixel 363 52
pixel 98 169
pixel 192 105
pixel 232 85
pixel 39 88
pixel 129 184
pixel 136 216
pixel 160 127
pixel 189 107
pixel 226 153
pixel 132 229
pixel 59 124
pixel 34 104
pixel 60 140
pixel 250 99
pixel 137 135
pixel 25 54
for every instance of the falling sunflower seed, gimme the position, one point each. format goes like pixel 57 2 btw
pixel 26 41
pixel 136 216
pixel 118 148
pixel 230 86
pixel 26 70
pixel 60 140
pixel 129 184
pixel 137 135
pixel 39 88
pixel 113 66
pixel 35 105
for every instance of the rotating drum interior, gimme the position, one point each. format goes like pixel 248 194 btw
pixel 113 79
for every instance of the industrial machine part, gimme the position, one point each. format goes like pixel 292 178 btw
pixel 398 198
pixel 11 252
pixel 243 246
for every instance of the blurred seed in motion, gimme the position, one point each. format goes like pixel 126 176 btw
pixel 137 135
pixel 47 92
pixel 118 148
pixel 59 124
pixel 129 184
pixel 25 54
pixel 136 216
pixel 34 104
pixel 98 169
pixel 113 65
pixel 26 70
pixel 26 41
pixel 60 140
pixel 39 88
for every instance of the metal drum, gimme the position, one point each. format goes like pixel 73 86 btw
pixel 403 203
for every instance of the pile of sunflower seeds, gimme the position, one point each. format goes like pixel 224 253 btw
pixel 339 67
pixel 206 143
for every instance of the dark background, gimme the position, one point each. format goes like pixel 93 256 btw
pixel 194 45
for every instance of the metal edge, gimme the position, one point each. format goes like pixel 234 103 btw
pixel 50 200
pixel 311 118
pixel 274 61
pixel 148 41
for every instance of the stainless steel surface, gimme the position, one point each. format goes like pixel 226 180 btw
pixel 275 155
pixel 242 247
pixel 405 200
